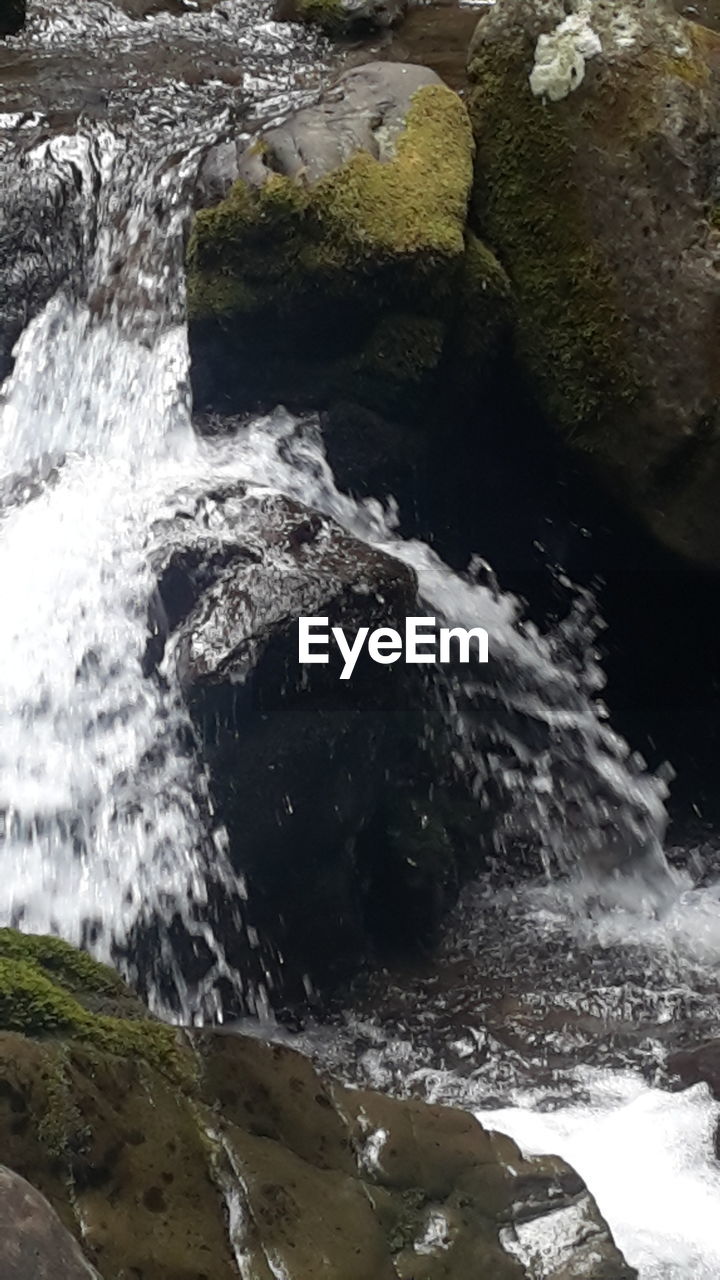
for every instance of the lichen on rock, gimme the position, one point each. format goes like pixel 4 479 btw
pixel 560 56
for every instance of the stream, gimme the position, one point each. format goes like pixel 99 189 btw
pixel 556 995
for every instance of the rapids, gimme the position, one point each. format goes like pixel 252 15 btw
pixel 553 1001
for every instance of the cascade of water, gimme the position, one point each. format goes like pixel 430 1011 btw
pixel 105 816
pixel 531 725
pixel 104 813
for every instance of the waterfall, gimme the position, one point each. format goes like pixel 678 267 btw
pixel 107 828
pixel 106 820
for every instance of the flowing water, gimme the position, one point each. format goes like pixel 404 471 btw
pixel 553 1001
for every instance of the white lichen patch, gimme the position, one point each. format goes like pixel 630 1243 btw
pixel 436 1237
pixel 368 1155
pixel 560 56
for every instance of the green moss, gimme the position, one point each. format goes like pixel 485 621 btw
pixel 527 203
pixel 487 306
pixel 61 1123
pixel 262 247
pixel 328 14
pixel 74 969
pixel 403 348
pixel 40 1004
pixel 342 289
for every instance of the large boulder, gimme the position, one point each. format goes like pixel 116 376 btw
pixel 596 126
pixel 35 1244
pixel 207 1156
pixel 333 263
pixel 366 827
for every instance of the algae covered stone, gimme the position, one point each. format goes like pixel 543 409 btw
pixel 228 1157
pixel 331 269
pixel 48 988
pixel 597 190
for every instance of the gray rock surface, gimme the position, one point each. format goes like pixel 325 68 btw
pixel 365 111
pixel 34 1244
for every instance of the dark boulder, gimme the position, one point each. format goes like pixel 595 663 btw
pixel 342 805
pixel 12 16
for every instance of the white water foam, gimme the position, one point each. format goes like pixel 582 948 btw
pixel 647 1156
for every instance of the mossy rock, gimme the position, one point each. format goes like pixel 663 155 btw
pixel 210 1156
pixel 47 988
pixel 593 189
pixel 334 267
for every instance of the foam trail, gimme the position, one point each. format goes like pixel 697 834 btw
pixel 647 1156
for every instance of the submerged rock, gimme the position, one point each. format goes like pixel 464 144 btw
pixel 366 827
pixel 596 185
pixel 344 17
pixel 698 1065
pixel 335 267
pixel 226 1157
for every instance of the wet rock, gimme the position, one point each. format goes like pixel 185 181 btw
pixel 362 837
pixel 12 16
pixel 41 232
pixel 344 17
pixel 35 1244
pixel 699 1065
pixel 222 1156
pixel 596 128
pixel 336 268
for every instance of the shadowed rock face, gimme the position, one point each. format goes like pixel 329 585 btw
pixel 596 185
pixel 12 16
pixel 33 1242
pixel 213 1155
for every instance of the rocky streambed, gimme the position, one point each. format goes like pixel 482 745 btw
pixel 485 304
